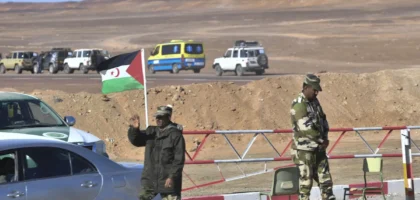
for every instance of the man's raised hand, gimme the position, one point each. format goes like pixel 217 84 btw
pixel 135 121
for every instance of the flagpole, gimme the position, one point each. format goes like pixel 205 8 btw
pixel 145 88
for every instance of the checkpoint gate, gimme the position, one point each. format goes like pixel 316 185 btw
pixel 241 158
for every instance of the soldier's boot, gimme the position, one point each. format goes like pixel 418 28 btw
pixel 303 197
pixel 170 197
pixel 326 196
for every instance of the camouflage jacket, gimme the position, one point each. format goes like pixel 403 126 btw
pixel 310 125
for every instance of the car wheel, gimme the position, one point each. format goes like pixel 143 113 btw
pixel 2 69
pixel 196 71
pixel 262 60
pixel 52 69
pixel 219 70
pixel 84 69
pixel 239 70
pixel 175 68
pixel 18 69
pixel 36 69
pixel 152 69
pixel 67 69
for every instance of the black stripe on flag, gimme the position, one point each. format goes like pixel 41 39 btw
pixel 116 61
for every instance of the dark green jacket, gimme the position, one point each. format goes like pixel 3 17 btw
pixel 164 156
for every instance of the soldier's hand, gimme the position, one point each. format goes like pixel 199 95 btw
pixel 135 121
pixel 168 183
pixel 325 144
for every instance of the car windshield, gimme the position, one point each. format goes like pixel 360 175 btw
pixel 27 113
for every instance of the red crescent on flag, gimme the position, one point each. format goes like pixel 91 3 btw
pixel 117 71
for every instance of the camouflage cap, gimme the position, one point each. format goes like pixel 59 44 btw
pixel 163 110
pixel 313 81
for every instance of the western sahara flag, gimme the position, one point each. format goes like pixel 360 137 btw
pixel 123 72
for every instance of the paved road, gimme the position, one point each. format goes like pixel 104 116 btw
pixel 92 82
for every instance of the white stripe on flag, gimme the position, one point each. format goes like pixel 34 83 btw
pixel 117 72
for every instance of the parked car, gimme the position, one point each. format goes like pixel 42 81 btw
pixel 244 56
pixel 52 60
pixel 39 169
pixel 84 60
pixel 17 61
pixel 22 113
pixel 177 55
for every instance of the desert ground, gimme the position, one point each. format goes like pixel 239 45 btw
pixel 366 53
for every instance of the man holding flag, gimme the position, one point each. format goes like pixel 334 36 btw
pixel 164 143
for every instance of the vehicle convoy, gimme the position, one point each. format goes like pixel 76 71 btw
pixel 244 56
pixel 85 60
pixel 177 55
pixel 52 60
pixel 37 168
pixel 17 61
pixel 22 113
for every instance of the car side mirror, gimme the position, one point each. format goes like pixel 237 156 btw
pixel 70 120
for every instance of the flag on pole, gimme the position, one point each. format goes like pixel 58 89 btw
pixel 123 72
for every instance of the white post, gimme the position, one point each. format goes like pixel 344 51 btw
pixel 143 64
pixel 407 167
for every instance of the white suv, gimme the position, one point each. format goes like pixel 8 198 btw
pixel 242 57
pixel 81 59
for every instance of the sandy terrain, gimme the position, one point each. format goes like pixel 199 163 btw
pixel 363 46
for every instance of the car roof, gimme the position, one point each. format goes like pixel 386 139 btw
pixel 5 96
pixel 12 143
pixel 181 41
pixel 106 165
pixel 246 48
pixel 87 49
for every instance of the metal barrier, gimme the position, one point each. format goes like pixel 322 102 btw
pixel 192 160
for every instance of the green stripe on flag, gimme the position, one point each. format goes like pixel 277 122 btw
pixel 120 84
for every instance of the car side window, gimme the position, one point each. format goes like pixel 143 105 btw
pixel 80 165
pixel 228 54
pixel 79 54
pixel 243 54
pixel 235 53
pixel 45 162
pixel 171 49
pixel 8 167
pixel 15 55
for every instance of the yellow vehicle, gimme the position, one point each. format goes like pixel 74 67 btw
pixel 18 61
pixel 177 55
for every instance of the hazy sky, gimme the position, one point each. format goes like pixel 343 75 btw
pixel 2 1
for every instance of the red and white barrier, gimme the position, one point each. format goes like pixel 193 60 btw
pixel 393 188
pixel 281 155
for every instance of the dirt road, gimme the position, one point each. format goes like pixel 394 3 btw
pixel 92 82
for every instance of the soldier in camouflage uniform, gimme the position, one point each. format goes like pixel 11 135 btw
pixel 310 127
pixel 164 155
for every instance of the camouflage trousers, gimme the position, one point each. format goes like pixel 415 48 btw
pixel 149 194
pixel 313 165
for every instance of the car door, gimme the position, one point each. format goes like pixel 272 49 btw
pixel 234 60
pixel 46 61
pixel 73 60
pixel 54 173
pixel 225 60
pixel 11 184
